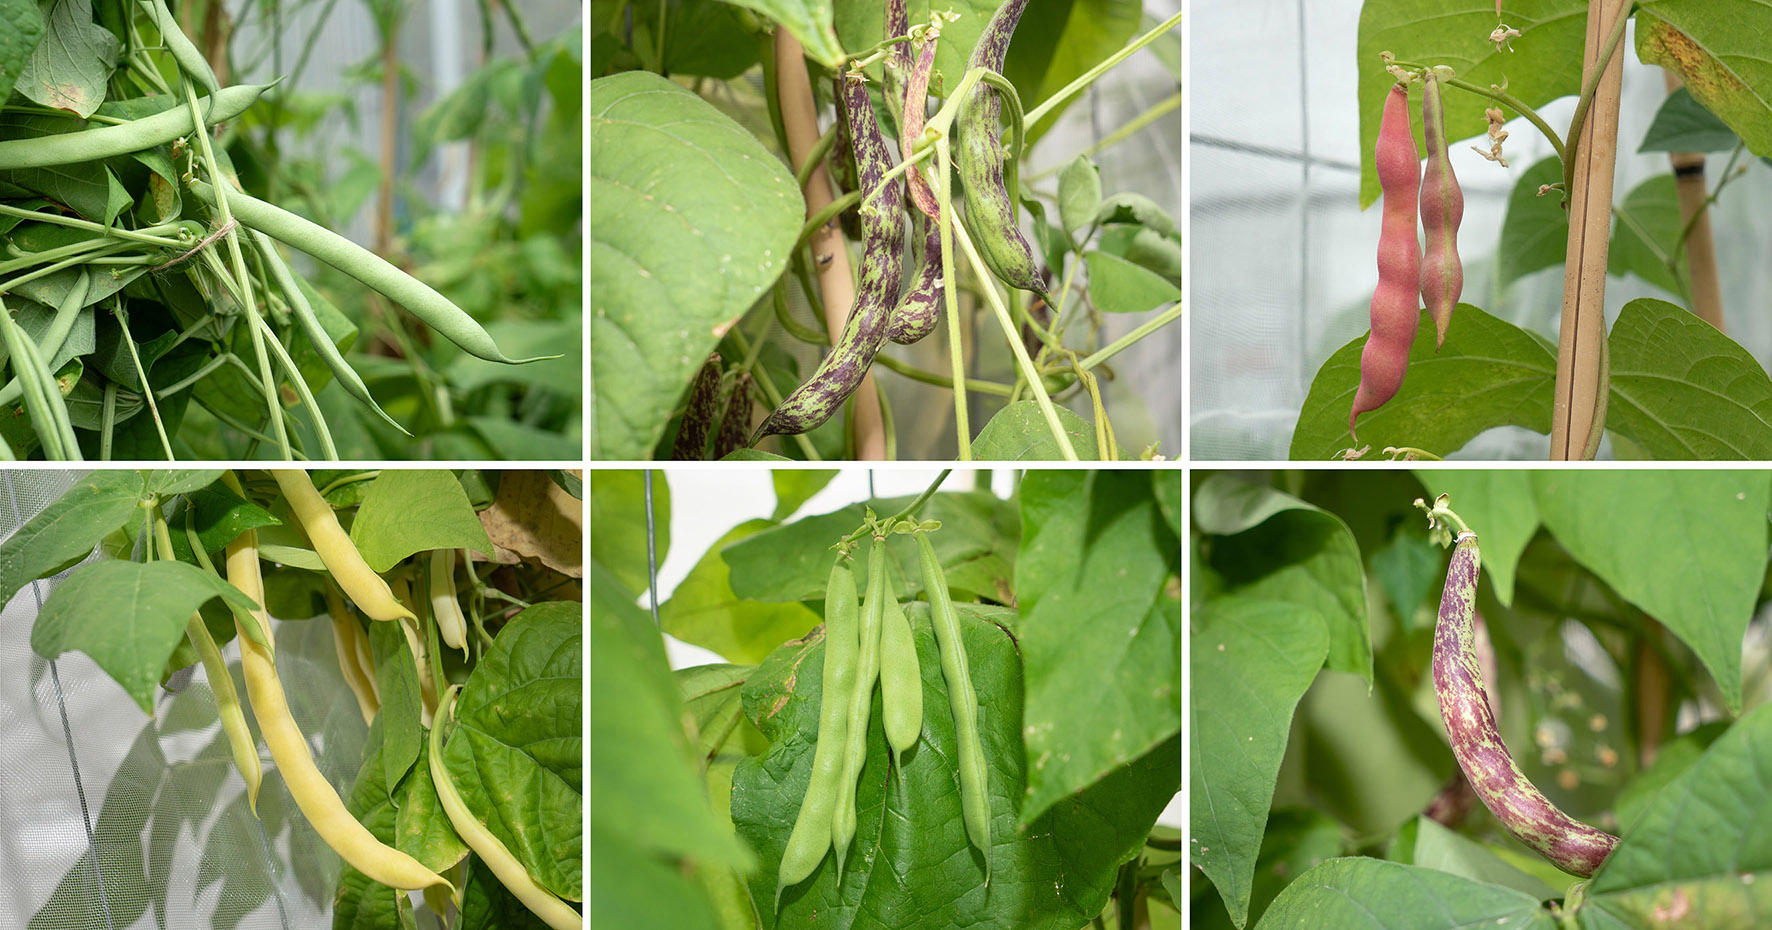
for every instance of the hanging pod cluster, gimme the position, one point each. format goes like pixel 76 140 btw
pixel 867 644
pixel 1476 741
pixel 1403 270
pixel 716 414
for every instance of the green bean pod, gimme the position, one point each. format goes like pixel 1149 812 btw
pixel 843 368
pixel 134 136
pixel 65 315
pixel 342 372
pixel 991 211
pixel 812 828
pixel 975 802
pixel 901 678
pixel 861 700
pixel 437 311
pixel 184 51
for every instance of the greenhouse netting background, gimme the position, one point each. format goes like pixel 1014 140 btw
pixel 112 818
pixel 1282 258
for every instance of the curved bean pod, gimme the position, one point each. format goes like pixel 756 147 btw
pixel 735 423
pixel 437 311
pixel 901 678
pixel 452 626
pixel 492 852
pixel 184 52
pixel 919 310
pixel 1568 843
pixel 812 834
pixel 916 100
pixel 975 801
pixel 991 208
pixel 148 132
pixel 861 701
pixel 368 590
pixel 289 749
pixel 698 417
pixel 350 643
pixel 1395 314
pixel 842 369
pixel 1442 209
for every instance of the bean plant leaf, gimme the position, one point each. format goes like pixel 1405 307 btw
pixel 691 220
pixel 1500 507
pixel 1489 373
pixel 1250 660
pixel 1119 286
pixel 415 510
pixel 1436 847
pixel 910 863
pixel 975 546
pixel 1079 193
pixel 1058 42
pixel 704 611
pixel 396 681
pixel 1684 125
pixel 1682 390
pixel 1372 894
pixel 128 616
pixel 1535 231
pixel 69 69
pixel 810 21
pixel 1645 233
pixel 648 805
pixel 66 531
pixel 1552 33
pixel 23 29
pixel 1274 546
pixel 1100 628
pixel 794 487
pixel 1718 48
pixel 618 511
pixel 516 751
pixel 1700 855
pixel 1682 532
pixel 1407 568
pixel 1020 433
pixel 219 516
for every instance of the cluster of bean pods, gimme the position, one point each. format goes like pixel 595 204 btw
pixel 872 643
pixel 884 310
pixel 1403 270
pixel 710 412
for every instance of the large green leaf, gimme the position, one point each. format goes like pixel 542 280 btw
pixel 1688 547
pixel 1701 854
pixel 408 510
pixel 809 20
pixel 1277 547
pixel 1489 373
pixel 1100 631
pixel 1682 390
pixel 1371 894
pixel 1500 507
pixel 910 863
pixel 128 616
pixel 66 531
pixel 1551 38
pixel 69 68
pixel 704 611
pixel 24 29
pixel 1647 230
pixel 1684 125
pixel 618 519
pixel 1021 433
pixel 691 220
pixel 1719 48
pixel 1249 663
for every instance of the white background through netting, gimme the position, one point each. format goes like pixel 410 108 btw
pixel 1282 258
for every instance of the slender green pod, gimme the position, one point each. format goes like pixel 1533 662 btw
pixel 919 310
pixel 43 397
pixel 991 211
pixel 735 423
pixel 303 311
pixel 134 136
pixel 1442 209
pixel 437 311
pixel 184 51
pixel 812 836
pixel 843 368
pixel 901 678
pixel 698 416
pixel 1395 312
pixel 1476 741
pixel 975 802
pixel 368 590
pixel 490 850
pixel 861 700
pixel 65 315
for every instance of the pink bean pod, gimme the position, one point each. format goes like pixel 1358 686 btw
pixel 1395 312
pixel 1442 209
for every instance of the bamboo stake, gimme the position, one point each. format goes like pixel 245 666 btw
pixel 1578 414
pixel 1701 249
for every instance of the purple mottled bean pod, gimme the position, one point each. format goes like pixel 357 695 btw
pixel 1568 843
pixel 698 416
pixel 736 424
pixel 920 309
pixel 916 100
pixel 991 212
pixel 1442 209
pixel 882 266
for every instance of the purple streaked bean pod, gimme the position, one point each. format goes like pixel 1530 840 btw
pixel 920 309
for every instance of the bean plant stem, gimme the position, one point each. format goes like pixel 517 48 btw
pixel 767 385
pixel 1152 114
pixel 141 375
pixel 1144 329
pixel 1033 116
pixel 914 373
pixel 950 295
